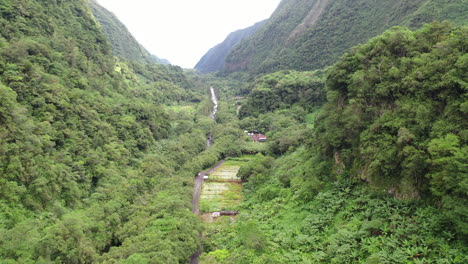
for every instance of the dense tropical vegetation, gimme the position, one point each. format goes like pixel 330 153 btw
pixel 381 176
pixel 93 169
pixel 366 160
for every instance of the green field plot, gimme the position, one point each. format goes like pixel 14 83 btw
pixel 222 190
pixel 225 173
pixel 179 108
pixel 220 196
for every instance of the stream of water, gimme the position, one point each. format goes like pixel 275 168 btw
pixel 215 102
pixel 209 138
pixel 199 178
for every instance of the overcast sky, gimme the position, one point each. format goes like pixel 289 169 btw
pixel 182 31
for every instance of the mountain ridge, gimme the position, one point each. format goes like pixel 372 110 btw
pixel 123 42
pixel 214 59
pixel 309 35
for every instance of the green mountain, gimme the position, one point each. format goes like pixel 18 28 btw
pixel 307 35
pixel 123 43
pixel 214 59
pixel 365 160
pixel 376 173
pixel 90 162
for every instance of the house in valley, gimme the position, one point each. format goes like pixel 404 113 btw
pixel 259 137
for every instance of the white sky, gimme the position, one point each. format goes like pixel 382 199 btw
pixel 182 31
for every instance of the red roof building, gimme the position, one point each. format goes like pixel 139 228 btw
pixel 259 138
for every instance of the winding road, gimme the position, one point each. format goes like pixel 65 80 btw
pixel 198 185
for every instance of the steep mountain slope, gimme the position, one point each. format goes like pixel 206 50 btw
pixel 378 175
pixel 396 115
pixel 305 35
pixel 214 59
pixel 88 173
pixel 123 43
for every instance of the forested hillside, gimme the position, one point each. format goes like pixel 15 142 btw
pixel 90 161
pixel 308 35
pixel 122 41
pixel 377 173
pixel 214 59
pixel 365 160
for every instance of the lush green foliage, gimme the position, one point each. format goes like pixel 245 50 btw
pixel 92 168
pixel 341 224
pixel 253 51
pixel 283 89
pixel 396 115
pixel 308 35
pixel 383 177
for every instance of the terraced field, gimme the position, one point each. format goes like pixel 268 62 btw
pixel 222 191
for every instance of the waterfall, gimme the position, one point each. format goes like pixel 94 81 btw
pixel 209 139
pixel 215 102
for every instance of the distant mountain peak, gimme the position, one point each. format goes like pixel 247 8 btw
pixel 123 42
pixel 312 34
pixel 214 59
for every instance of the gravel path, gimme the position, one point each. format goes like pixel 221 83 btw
pixel 198 185
pixel 196 200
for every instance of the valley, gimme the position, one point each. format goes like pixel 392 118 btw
pixel 332 132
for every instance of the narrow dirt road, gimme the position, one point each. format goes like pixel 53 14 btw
pixel 196 201
pixel 198 185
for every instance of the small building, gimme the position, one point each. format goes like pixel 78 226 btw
pixel 259 138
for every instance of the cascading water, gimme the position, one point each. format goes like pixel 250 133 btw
pixel 215 102
pixel 209 139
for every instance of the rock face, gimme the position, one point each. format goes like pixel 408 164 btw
pixel 214 59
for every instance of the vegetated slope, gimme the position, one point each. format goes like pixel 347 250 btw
pixel 396 115
pixel 90 165
pixel 307 35
pixel 214 59
pixel 123 42
pixel 381 178
pixel 282 90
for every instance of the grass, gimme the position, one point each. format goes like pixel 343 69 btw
pixel 310 119
pixel 239 161
pixel 225 173
pixel 179 108
pixel 220 196
pixel 221 192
